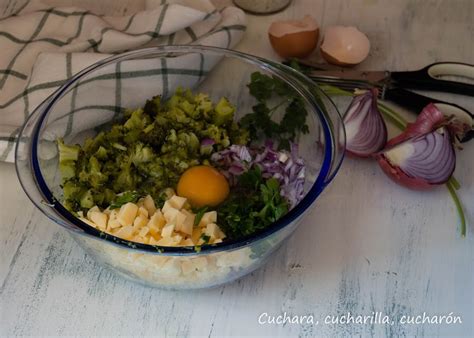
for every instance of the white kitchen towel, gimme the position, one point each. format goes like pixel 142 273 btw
pixel 41 47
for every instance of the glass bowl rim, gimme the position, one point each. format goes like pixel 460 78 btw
pixel 285 72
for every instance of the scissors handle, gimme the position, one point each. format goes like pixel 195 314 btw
pixel 428 78
pixel 416 102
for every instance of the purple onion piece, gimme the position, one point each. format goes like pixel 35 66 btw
pixel 430 157
pixel 286 167
pixel 366 132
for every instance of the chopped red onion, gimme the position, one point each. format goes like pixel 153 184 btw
pixel 366 132
pixel 286 167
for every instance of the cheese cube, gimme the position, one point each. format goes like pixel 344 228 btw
pixel 170 215
pixel 220 233
pixel 149 205
pixel 166 241
pixel 140 239
pixel 113 214
pixel 167 230
pixel 125 232
pixel 139 223
pixel 85 220
pixel 152 241
pixel 113 223
pixel 211 230
pixel 144 231
pixel 127 214
pixel 99 218
pixel 167 206
pixel 91 210
pixel 157 220
pixel 177 239
pixel 208 217
pixel 80 214
pixel 186 226
pixel 142 211
pixel 200 263
pixel 187 242
pixel 187 267
pixel 196 235
pixel 217 241
pixel 177 202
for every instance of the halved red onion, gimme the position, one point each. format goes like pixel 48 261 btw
pixel 423 155
pixel 366 132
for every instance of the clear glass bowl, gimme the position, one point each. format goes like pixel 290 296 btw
pixel 98 95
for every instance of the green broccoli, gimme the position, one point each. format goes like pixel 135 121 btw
pixel 223 113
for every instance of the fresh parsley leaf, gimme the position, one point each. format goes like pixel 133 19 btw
pixel 259 123
pixel 254 204
pixel 205 238
pixel 260 86
pixel 126 197
pixel 199 213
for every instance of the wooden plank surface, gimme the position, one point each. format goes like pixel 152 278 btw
pixel 367 245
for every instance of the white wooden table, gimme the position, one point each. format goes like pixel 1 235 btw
pixel 368 245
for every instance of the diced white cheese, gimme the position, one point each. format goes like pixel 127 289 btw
pixel 139 222
pixel 113 214
pixel 200 263
pixel 144 231
pixel 177 202
pixel 166 206
pixel 125 232
pixel 211 230
pixel 208 217
pixel 91 210
pixel 99 218
pixel 149 204
pixel 186 227
pixel 152 241
pixel 171 215
pixel 157 220
pixel 177 239
pixel 127 214
pixel 142 211
pixel 167 230
pixel 113 223
pixel 85 220
pixel 187 267
pixel 166 241
pixel 187 242
pixel 171 268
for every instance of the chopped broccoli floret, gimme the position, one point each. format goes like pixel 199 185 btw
pixel 67 153
pixel 223 113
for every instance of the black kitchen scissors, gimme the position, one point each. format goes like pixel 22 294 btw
pixel 393 86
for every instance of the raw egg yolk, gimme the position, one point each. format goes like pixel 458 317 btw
pixel 203 185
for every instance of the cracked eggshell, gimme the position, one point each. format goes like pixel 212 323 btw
pixel 344 46
pixel 294 38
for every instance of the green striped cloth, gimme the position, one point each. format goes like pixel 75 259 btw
pixel 41 47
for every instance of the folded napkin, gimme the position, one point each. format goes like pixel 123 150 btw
pixel 41 47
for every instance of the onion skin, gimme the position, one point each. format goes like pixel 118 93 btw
pixel 426 124
pixel 428 120
pixel 371 132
